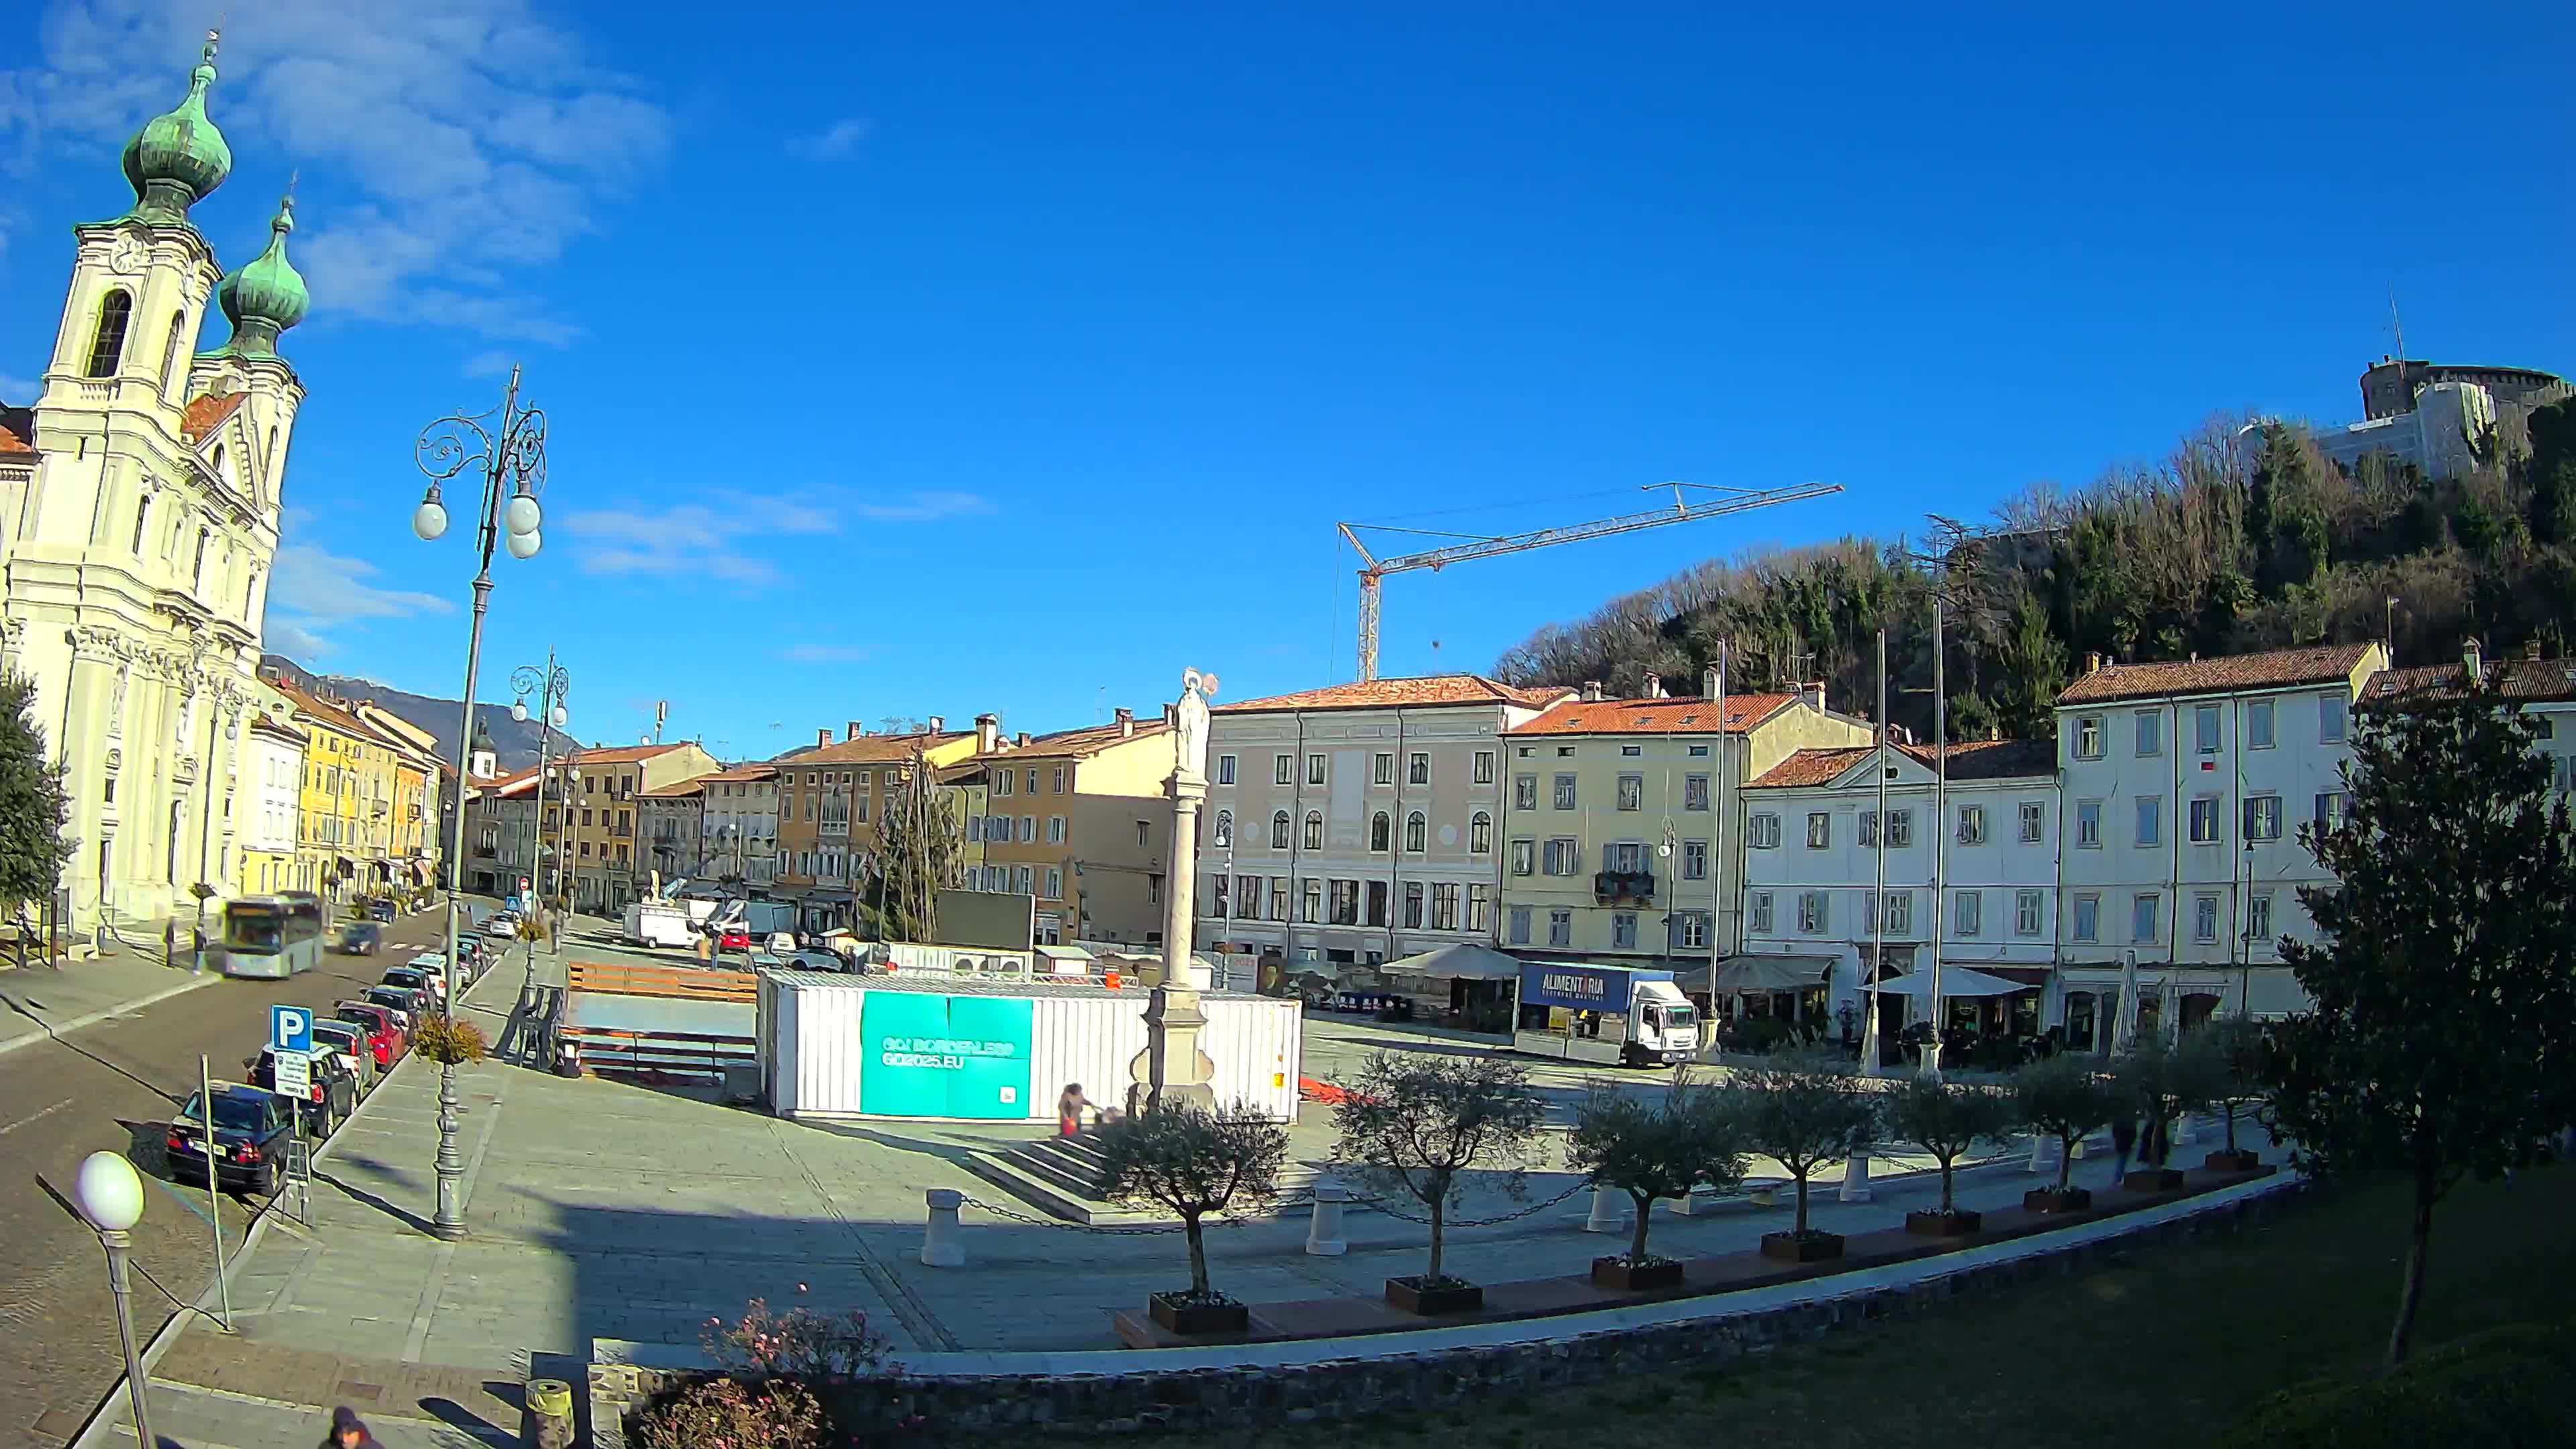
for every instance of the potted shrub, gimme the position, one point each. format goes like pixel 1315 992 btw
pixel 1804 1111
pixel 2232 1052
pixel 1946 1120
pixel 2062 1097
pixel 1416 1125
pixel 1651 1150
pixel 1193 1162
pixel 2156 1079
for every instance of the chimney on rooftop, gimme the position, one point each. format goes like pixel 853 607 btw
pixel 1126 723
pixel 1171 716
pixel 1654 685
pixel 937 724
pixel 2093 662
pixel 2531 650
pixel 1023 740
pixel 1708 682
pixel 1814 695
pixel 2472 660
pixel 822 737
pixel 1592 691
pixel 988 733
pixel 855 731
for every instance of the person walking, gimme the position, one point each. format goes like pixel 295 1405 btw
pixel 2124 1140
pixel 348 1431
pixel 1068 1110
pixel 2157 1144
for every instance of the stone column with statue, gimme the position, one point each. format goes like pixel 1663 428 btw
pixel 1173 1068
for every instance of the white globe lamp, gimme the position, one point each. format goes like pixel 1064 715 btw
pixel 109 1192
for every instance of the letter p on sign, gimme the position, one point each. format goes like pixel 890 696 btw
pixel 290 1029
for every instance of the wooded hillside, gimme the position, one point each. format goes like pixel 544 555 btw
pixel 2239 541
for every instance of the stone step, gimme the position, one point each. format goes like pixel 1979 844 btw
pixel 1048 1184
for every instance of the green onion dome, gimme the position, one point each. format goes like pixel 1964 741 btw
pixel 177 158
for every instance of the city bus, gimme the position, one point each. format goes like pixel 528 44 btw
pixel 272 937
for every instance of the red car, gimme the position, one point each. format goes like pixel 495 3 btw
pixel 733 938
pixel 383 1038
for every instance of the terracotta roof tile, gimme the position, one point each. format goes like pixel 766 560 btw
pixel 2279 669
pixel 677 791
pixel 762 770
pixel 1682 715
pixel 1810 767
pixel 620 755
pixel 10 442
pixel 2514 678
pixel 1435 689
pixel 1970 760
pixel 873 749
pixel 1085 742
pixel 205 414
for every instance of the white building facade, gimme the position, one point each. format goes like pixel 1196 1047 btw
pixel 2184 786
pixel 1340 825
pixel 738 824
pixel 1813 847
pixel 271 820
pixel 144 510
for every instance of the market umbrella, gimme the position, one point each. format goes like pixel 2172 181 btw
pixel 1457 961
pixel 2125 1024
pixel 1955 981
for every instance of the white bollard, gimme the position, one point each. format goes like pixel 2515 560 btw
pixel 1856 1178
pixel 1609 1211
pixel 1682 1205
pixel 1324 1230
pixel 2182 1133
pixel 2039 1151
pixel 941 1246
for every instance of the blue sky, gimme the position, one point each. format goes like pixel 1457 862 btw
pixel 933 359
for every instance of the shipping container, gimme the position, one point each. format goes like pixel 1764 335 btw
pixel 839 1046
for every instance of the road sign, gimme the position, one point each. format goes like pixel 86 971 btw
pixel 290 1029
pixel 294 1074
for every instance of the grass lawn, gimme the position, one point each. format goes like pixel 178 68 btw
pixel 2168 1348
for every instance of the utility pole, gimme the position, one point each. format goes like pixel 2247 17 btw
pixel 1878 898
pixel 1940 832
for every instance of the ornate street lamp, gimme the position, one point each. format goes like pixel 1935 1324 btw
pixel 508 450
pixel 109 1194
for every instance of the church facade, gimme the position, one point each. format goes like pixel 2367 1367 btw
pixel 141 494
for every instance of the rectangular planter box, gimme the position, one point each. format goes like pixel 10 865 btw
pixel 2238 1161
pixel 1409 1295
pixel 1613 1273
pixel 1815 1247
pixel 2050 1200
pixel 1199 1319
pixel 2153 1179
pixel 1937 1225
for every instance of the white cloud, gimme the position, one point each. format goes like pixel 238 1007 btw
pixel 924 508
pixel 837 139
pixel 313 593
pixel 487 364
pixel 822 654
pixel 477 135
pixel 715 540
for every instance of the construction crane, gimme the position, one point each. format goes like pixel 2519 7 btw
pixel 1471 546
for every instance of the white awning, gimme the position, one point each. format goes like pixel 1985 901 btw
pixel 1761 973
pixel 1955 981
pixel 1458 961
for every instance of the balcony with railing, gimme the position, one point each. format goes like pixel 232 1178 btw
pixel 1612 886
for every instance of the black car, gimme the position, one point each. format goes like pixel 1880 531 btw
pixel 330 1100
pixel 380 910
pixel 359 938
pixel 252 1128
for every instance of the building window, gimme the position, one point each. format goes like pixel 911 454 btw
pixel 142 520
pixel 2204 919
pixel 1279 898
pixel 1900 829
pixel 1055 830
pixel 1632 751
pixel 1519 933
pixel 1764 831
pixel 1416 831
pixel 1562 857
pixel 1900 913
pixel 1967 913
pixel 1346 903
pixel 1284 771
pixel 2258 725
pixel 1815 913
pixel 1524 857
pixel 1560 928
pixel 2331 709
pixel 2151 733
pixel 2142 918
pixel 1413 905
pixel 2026 912
pixel 1312 907
pixel 1314 830
pixel 1382 769
pixel 1525 792
pixel 1377 903
pixel 2088 917
pixel 1565 792
pixel 1820 830
pixel 2204 728
pixel 2151 820
pixel 1484 767
pixel 1480 834
pixel 1381 832
pixel 1694 860
pixel 2329 810
pixel 1417 769
pixel 107 344
pixel 2088 824
pixel 1033 779
pixel 1224 770
pixel 2262 817
pixel 1972 825
pixel 1314 769
pixel 1623 930
pixel 1028 829
pixel 1758 912
pixel 2088 737
pixel 2258 917
pixel 1055 887
pixel 2204 820
pixel 1480 904
pixel 1224 828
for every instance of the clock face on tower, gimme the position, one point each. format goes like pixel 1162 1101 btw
pixel 127 256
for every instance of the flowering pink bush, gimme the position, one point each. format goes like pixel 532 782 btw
pixel 799 1342
pixel 724 1414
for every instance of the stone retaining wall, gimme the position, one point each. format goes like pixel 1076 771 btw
pixel 1221 1398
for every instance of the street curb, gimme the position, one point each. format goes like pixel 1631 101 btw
pixel 56 1031
pixel 108 1416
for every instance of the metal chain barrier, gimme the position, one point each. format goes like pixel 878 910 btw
pixel 1425 1220
pixel 1276 1210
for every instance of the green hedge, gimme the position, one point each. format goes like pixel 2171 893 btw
pixel 2504 1387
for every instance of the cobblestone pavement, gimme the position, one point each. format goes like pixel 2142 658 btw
pixel 112 1084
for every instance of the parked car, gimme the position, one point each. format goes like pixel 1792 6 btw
pixel 383 1035
pixel 251 1128
pixel 356 1052
pixel 359 938
pixel 504 924
pixel 733 938
pixel 429 984
pixel 328 1101
pixel 404 1003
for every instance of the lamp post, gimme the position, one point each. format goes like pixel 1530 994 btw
pixel 508 448
pixel 109 1194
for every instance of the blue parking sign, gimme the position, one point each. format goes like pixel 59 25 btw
pixel 290 1028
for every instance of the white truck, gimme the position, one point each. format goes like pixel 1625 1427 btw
pixel 658 920
pixel 1614 1015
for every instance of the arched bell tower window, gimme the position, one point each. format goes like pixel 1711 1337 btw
pixel 170 353
pixel 107 345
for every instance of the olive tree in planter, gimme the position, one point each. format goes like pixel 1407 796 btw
pixel 1418 1125
pixel 1653 1149
pixel 2230 1052
pixel 1192 1162
pixel 1947 1120
pixel 1806 1110
pixel 2153 1079
pixel 2063 1097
